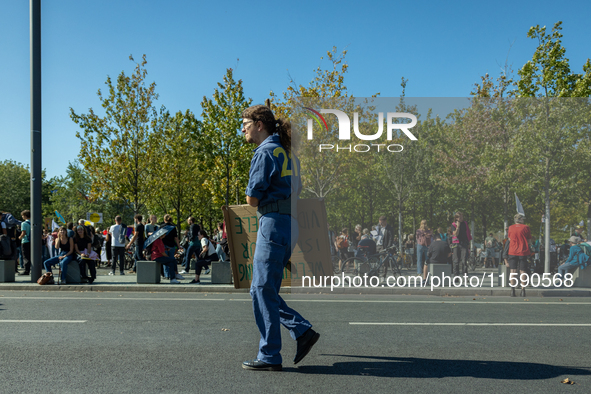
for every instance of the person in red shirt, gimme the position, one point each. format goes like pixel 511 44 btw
pixel 519 236
pixel 159 256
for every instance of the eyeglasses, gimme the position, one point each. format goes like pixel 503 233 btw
pixel 245 124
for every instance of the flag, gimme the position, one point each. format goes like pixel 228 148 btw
pixel 519 206
pixel 60 217
pixel 54 225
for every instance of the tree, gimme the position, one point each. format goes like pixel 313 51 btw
pixel 549 140
pixel 15 183
pixel 115 148
pixel 226 153
pixel 71 197
pixel 405 171
pixel 548 74
pixel 320 171
pixel 176 145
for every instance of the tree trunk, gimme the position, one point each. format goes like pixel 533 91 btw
pixel 414 219
pixel 399 225
pixel 472 225
pixel 589 221
pixel 484 225
pixel 547 224
pixel 227 184
pixel 506 211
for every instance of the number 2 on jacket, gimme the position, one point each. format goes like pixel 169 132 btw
pixel 284 170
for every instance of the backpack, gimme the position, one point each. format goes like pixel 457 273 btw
pixel 10 220
pixel 148 252
pixel 122 234
pixel 97 242
pixel 5 249
pixel 582 259
pixel 342 242
pixel 586 248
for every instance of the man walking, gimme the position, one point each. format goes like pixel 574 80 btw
pixel 117 233
pixel 273 185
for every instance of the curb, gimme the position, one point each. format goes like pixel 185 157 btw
pixel 166 288
pixel 132 288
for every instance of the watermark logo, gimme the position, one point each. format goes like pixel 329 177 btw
pixel 345 129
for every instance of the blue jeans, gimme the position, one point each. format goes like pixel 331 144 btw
pixel 566 268
pixel 193 248
pixel 63 263
pixel 169 265
pixel 20 257
pixel 220 252
pixel 138 255
pixel 167 273
pixel 421 257
pixel 276 238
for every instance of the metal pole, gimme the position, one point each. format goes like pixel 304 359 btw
pixel 36 216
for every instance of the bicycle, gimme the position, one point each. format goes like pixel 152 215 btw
pixel 375 264
pixel 129 258
pixel 334 258
pixel 475 261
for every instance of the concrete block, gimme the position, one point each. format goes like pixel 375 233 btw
pixel 148 272
pixel 73 274
pixel 503 269
pixel 582 278
pixel 221 272
pixel 439 269
pixel 7 270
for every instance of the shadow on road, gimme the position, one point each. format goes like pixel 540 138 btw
pixel 411 367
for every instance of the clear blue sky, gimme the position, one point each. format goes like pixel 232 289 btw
pixel 442 48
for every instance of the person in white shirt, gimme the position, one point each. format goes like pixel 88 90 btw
pixel 118 248
pixel 207 255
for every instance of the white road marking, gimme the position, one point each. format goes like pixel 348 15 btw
pixel 434 302
pixel 303 300
pixel 471 324
pixel 43 321
pixel 112 298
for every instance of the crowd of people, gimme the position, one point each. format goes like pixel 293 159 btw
pixel 83 244
pixel 453 246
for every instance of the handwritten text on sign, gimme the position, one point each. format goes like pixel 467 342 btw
pixel 311 255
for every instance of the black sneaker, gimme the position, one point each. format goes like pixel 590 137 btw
pixel 258 365
pixel 305 343
pixel 195 281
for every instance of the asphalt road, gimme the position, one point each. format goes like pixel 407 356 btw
pixel 74 342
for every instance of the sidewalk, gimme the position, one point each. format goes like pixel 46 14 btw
pixel 127 282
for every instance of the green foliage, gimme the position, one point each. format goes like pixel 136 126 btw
pixel 71 197
pixel 177 181
pixel 15 183
pixel 226 155
pixel 548 74
pixel 115 148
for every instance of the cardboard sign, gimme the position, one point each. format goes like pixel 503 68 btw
pixel 311 255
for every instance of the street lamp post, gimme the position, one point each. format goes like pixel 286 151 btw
pixel 36 220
